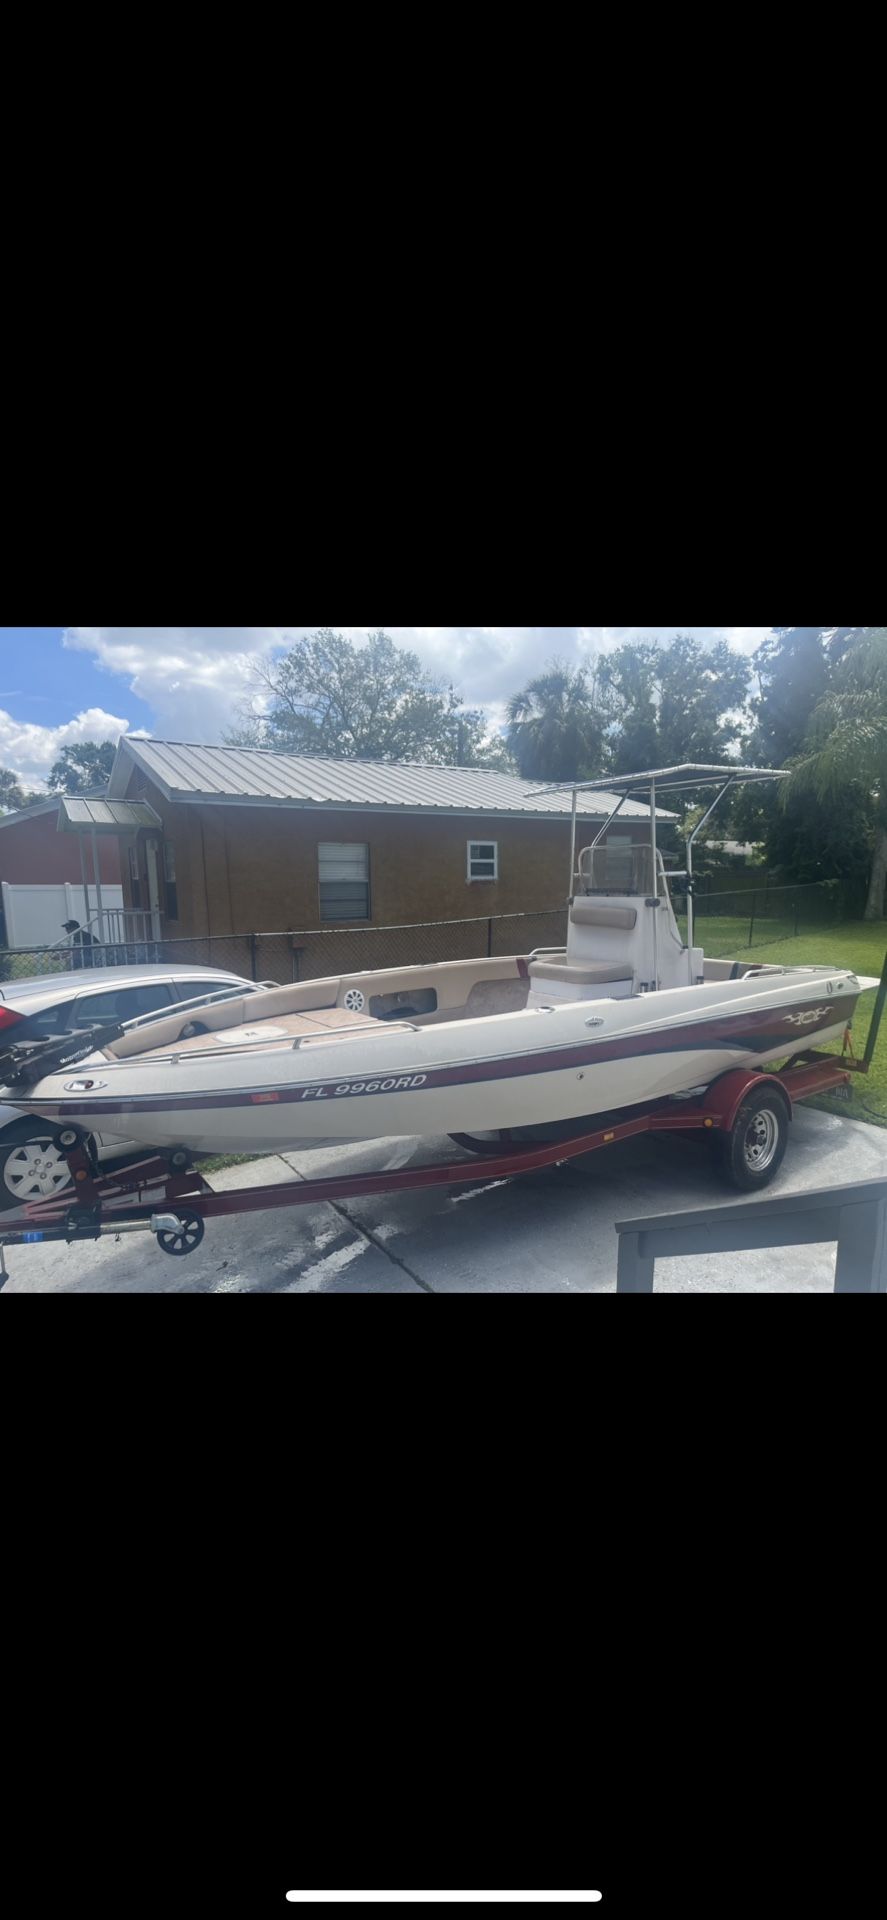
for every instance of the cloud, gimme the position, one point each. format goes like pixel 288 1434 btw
pixel 194 678
pixel 488 664
pixel 29 751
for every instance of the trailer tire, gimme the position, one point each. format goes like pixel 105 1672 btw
pixel 754 1149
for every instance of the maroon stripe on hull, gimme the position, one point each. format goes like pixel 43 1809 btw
pixel 754 1032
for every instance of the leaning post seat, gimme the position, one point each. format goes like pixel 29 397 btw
pixel 551 981
pixel 591 913
pixel 599 962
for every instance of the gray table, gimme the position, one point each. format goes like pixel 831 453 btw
pixel 856 1217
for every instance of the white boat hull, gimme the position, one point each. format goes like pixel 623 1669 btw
pixel 472 1076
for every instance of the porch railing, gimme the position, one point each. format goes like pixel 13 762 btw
pixel 126 927
pixel 120 937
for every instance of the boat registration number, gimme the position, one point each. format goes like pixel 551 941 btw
pixel 398 1083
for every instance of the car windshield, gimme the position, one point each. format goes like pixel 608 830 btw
pixel 52 1009
pixel 50 1021
pixel 201 989
pixel 127 1003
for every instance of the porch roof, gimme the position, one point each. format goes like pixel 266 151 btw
pixel 79 815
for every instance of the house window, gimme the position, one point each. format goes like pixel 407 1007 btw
pixel 483 859
pixel 169 874
pixel 344 876
pixel 135 887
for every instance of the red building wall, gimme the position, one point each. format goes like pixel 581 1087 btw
pixel 32 850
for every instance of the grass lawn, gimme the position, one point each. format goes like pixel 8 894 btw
pixel 861 946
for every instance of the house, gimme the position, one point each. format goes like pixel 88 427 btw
pixel 42 876
pixel 254 842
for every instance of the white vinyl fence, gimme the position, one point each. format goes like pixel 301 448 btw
pixel 35 915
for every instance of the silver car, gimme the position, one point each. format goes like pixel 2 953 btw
pixel 31 1168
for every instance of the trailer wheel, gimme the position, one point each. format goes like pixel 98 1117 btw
pixel 754 1149
pixel 188 1239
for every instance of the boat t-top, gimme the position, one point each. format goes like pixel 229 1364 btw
pixel 628 1013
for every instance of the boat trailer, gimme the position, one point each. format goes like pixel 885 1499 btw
pixel 167 1196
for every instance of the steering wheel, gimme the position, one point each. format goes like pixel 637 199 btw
pixel 191 1031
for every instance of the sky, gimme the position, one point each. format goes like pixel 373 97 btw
pixel 60 685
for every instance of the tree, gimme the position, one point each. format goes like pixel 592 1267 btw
pixel 376 702
pixel 11 795
pixel 791 669
pixel 806 838
pixel 846 747
pixel 669 705
pixel 629 693
pixel 82 768
pixel 555 730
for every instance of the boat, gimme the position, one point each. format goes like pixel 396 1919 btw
pixel 627 1014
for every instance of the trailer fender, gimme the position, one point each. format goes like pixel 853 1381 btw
pixel 725 1096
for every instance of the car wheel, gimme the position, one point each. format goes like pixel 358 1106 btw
pixel 31 1168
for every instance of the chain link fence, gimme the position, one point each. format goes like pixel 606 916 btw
pixel 311 954
pixel 369 949
pixel 727 924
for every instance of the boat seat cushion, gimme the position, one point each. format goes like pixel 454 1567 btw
pixel 593 975
pixel 587 913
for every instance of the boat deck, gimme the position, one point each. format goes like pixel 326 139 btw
pixel 332 1023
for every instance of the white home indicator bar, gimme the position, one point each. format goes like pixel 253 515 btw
pixel 541 1899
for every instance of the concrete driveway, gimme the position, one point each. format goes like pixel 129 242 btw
pixel 548 1232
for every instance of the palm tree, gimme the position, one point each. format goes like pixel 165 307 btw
pixel 847 746
pixel 555 730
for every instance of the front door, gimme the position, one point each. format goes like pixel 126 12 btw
pixel 152 860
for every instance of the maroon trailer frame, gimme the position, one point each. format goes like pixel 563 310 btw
pixel 174 1201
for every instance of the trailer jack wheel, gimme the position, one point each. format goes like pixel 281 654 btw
pixel 186 1237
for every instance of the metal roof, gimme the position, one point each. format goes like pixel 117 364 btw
pixel 53 802
pixel 29 813
pixel 668 779
pixel 77 815
pixel 252 776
